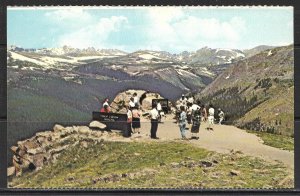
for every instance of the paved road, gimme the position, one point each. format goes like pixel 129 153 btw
pixel 224 139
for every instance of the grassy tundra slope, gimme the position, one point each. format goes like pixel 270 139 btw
pixel 154 165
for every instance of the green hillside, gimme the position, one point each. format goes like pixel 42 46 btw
pixel 154 165
pixel 257 93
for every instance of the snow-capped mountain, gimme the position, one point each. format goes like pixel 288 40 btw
pixel 185 71
pixel 69 51
pixel 211 56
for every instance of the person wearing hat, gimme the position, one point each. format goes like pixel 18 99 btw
pixel 221 116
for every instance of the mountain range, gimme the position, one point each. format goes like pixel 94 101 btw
pixel 64 85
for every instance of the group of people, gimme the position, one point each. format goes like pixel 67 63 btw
pixel 189 115
pixel 193 113
pixel 133 115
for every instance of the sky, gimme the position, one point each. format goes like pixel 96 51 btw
pixel 172 29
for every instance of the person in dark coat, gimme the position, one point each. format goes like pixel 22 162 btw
pixel 154 121
pixel 196 119
pixel 129 122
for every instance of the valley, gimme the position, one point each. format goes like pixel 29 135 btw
pixel 64 85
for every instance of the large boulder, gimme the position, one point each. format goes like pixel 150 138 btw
pixel 122 100
pixel 97 124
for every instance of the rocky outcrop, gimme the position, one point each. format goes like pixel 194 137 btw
pixel 45 147
pixel 120 102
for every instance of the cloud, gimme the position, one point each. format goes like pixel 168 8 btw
pixel 71 17
pixel 77 27
pixel 173 29
pixel 94 34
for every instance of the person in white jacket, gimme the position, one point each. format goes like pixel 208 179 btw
pixel 211 117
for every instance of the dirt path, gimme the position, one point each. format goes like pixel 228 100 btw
pixel 224 139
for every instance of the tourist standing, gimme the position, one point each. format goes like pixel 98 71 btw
pixel 136 123
pixel 154 121
pixel 106 102
pixel 182 122
pixel 136 100
pixel 131 103
pixel 204 113
pixel 196 123
pixel 196 106
pixel 189 111
pixel 183 99
pixel 191 99
pixel 159 109
pixel 105 109
pixel 129 122
pixel 211 117
pixel 221 116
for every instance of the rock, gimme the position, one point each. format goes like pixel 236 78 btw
pixel 147 103
pixel 84 144
pixel 83 130
pixel 175 165
pixel 14 148
pixel 105 133
pixel 96 133
pixel 191 164
pixel 215 161
pixel 97 124
pixel 57 128
pixel 44 134
pixel 71 178
pixel 35 151
pixel 206 163
pixel 57 150
pixel 39 160
pixel 10 171
pixel 75 129
pixel 69 130
pixel 41 140
pixel 29 144
pixel 234 172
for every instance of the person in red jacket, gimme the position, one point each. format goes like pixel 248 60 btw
pixel 105 109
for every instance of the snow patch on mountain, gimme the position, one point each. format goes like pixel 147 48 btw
pixel 20 57
pixel 185 73
pixel 55 60
pixel 269 53
pixel 148 56
pixel 205 71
